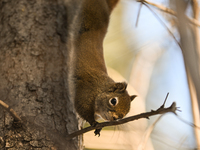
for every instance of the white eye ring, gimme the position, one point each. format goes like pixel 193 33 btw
pixel 113 101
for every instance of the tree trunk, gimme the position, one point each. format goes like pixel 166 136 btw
pixel 34 46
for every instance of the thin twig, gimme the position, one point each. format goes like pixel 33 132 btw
pixel 11 111
pixel 163 105
pixel 172 109
pixel 189 123
pixel 163 25
pixel 138 15
pixel 170 11
pixel 144 140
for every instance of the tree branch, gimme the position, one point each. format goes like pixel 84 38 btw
pixel 138 15
pixel 11 111
pixel 160 20
pixel 160 110
pixel 170 11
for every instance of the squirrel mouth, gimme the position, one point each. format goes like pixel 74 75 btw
pixel 105 117
pixel 110 117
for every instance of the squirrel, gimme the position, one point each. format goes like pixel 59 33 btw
pixel 96 94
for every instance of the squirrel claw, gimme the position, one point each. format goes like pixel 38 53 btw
pixel 97 132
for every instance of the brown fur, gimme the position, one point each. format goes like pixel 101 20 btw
pixel 93 87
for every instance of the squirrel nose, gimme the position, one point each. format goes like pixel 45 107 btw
pixel 117 116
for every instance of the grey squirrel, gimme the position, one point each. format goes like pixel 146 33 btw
pixel 96 94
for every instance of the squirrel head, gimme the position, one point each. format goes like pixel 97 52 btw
pixel 114 102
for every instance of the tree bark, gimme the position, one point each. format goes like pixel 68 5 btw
pixel 35 38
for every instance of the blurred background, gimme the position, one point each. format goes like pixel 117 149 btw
pixel 140 50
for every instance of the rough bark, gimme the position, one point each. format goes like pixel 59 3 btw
pixel 34 43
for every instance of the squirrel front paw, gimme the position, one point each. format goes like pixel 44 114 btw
pixel 97 132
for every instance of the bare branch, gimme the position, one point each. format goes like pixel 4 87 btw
pixel 160 110
pixel 170 11
pixel 189 123
pixel 163 25
pixel 147 134
pixel 11 111
pixel 138 15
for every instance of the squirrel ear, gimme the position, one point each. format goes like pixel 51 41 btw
pixel 132 97
pixel 118 87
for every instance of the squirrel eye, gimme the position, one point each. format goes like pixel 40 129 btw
pixel 113 101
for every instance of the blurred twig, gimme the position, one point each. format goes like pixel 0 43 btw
pixel 190 48
pixel 195 8
pixel 147 135
pixel 138 15
pixel 196 118
pixel 189 123
pixel 169 11
pixel 163 25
